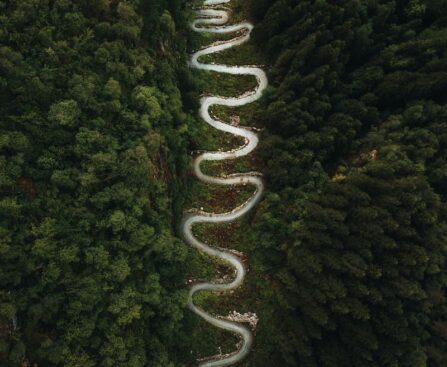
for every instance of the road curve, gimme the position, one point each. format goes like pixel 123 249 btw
pixel 211 19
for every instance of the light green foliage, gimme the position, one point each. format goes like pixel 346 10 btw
pixel 65 113
pixel 416 8
pixel 167 23
pixel 146 101
pixel 113 89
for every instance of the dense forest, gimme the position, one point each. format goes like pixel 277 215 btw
pixel 93 149
pixel 353 231
pixel 97 123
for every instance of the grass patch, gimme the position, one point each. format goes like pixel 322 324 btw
pixel 219 199
pixel 224 85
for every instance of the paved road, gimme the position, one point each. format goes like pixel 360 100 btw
pixel 211 19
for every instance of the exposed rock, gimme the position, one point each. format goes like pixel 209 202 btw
pixel 248 317
pixel 235 120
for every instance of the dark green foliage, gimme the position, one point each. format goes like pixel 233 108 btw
pixel 353 231
pixel 348 254
pixel 92 149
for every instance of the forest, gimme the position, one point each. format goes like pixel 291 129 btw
pixel 93 146
pixel 98 121
pixel 353 229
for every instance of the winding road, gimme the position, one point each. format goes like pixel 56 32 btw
pixel 212 18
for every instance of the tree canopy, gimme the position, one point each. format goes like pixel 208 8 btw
pixel 92 152
pixel 353 228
